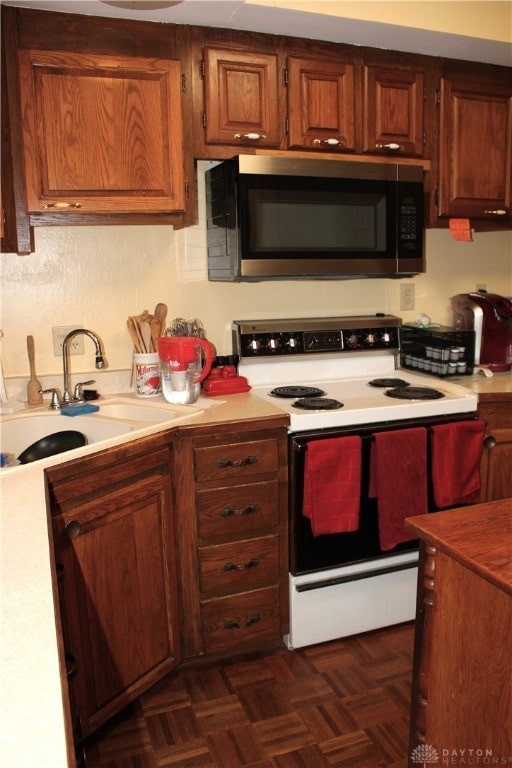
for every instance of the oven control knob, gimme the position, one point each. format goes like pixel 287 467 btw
pixel 292 343
pixel 273 343
pixel 254 344
pixel 351 340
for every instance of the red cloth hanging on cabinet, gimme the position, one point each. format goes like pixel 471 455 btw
pixel 332 484
pixel 456 455
pixel 398 479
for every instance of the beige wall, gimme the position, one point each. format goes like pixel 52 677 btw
pixel 96 276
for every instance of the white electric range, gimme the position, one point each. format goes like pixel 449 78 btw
pixel 338 376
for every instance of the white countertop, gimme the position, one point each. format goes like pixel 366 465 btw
pixel 31 704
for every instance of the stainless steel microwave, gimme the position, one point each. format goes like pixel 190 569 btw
pixel 282 218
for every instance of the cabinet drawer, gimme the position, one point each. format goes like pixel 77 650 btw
pixel 235 460
pixel 237 510
pixel 238 566
pixel 242 621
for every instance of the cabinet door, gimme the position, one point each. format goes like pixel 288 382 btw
pixel 240 98
pixel 475 149
pixel 118 594
pixel 320 104
pixel 101 134
pixel 496 475
pixel 393 111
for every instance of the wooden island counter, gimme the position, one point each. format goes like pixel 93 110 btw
pixel 462 696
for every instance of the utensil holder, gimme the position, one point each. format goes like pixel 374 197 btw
pixel 147 374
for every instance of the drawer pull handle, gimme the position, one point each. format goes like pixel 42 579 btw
pixel 223 463
pixel 233 624
pixel 393 146
pixel 329 142
pixel 252 563
pixel 250 136
pixel 230 512
pixel 60 206
pixel 497 212
pixel 490 442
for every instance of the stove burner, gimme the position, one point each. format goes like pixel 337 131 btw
pixel 297 391
pixel 388 383
pixel 318 404
pixel 414 393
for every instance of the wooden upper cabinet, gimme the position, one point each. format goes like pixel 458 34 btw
pixel 320 105
pixel 475 148
pixel 393 111
pixel 240 98
pixel 101 134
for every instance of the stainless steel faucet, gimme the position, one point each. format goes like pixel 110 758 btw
pixel 100 362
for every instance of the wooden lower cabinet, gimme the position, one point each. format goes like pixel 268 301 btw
pixel 113 544
pixel 232 538
pixel 495 472
pixel 462 685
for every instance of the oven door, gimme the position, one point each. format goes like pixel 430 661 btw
pixel 343 584
pixel 309 553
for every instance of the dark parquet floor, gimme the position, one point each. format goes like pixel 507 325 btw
pixel 342 704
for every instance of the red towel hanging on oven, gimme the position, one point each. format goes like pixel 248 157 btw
pixel 332 484
pixel 456 454
pixel 398 479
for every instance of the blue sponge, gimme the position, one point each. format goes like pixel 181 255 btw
pixel 79 410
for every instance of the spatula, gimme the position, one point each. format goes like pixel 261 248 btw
pixel 33 385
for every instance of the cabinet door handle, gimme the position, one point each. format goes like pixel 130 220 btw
pixel 223 463
pixel 490 442
pixel 233 624
pixel 252 563
pixel 497 212
pixel 230 512
pixel 250 136
pixel 393 146
pixel 60 206
pixel 73 529
pixel 329 142
pixel 71 664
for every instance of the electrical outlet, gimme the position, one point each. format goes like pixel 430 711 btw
pixel 407 296
pixel 76 345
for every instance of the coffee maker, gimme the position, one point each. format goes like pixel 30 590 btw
pixel 490 316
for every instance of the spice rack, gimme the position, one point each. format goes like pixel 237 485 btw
pixel 438 350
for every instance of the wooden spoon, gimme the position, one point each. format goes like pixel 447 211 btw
pixel 156 332
pixel 133 335
pixel 136 328
pixel 145 330
pixel 34 385
pixel 161 314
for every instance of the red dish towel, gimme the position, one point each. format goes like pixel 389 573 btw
pixel 398 479
pixel 332 484
pixel 456 454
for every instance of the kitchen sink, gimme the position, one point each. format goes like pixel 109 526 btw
pixel 139 412
pixel 18 432
pixel 115 417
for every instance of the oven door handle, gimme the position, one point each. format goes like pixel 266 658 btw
pixel 307 586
